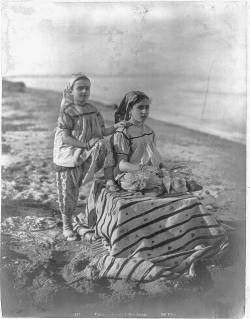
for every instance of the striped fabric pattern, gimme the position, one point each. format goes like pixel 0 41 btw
pixel 143 238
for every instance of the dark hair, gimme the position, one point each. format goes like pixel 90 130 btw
pixel 127 103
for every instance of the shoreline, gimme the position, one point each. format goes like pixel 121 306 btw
pixel 205 132
pixel 109 105
pixel 207 125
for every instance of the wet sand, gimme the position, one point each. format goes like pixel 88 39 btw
pixel 28 189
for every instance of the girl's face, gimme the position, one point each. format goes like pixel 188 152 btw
pixel 140 111
pixel 81 91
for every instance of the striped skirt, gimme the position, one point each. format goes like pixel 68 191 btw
pixel 143 238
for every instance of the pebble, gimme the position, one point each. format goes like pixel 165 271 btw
pixel 209 207
pixel 37 196
pixel 46 202
pixel 18 196
pixel 44 164
pixel 43 171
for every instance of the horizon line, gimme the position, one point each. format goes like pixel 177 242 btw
pixel 101 75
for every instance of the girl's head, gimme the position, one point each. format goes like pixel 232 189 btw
pixel 135 106
pixel 79 88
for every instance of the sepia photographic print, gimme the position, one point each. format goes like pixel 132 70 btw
pixel 123 159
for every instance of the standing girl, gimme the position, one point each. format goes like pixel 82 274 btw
pixel 79 147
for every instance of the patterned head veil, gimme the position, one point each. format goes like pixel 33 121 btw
pixel 129 100
pixel 67 96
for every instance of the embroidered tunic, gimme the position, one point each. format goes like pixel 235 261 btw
pixel 135 145
pixel 83 125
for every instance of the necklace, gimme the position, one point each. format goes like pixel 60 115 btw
pixel 136 123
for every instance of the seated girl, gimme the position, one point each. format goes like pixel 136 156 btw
pixel 134 235
pixel 139 165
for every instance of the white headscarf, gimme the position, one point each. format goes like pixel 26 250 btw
pixel 67 95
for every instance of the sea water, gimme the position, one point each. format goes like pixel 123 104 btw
pixel 190 102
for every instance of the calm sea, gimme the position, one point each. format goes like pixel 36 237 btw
pixel 189 102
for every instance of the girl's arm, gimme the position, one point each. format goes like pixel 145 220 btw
pixel 69 140
pixel 110 130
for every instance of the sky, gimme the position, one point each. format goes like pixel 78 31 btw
pixel 56 37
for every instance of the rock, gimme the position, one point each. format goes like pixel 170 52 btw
pixel 43 171
pixel 19 196
pixel 37 196
pixel 47 202
pixel 19 188
pixel 44 164
pixel 13 86
pixel 5 148
pixel 29 168
pixel 209 207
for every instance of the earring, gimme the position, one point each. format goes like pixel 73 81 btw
pixel 129 116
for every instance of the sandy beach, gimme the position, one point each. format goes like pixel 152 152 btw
pixel 33 263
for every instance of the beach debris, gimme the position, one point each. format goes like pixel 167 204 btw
pixel 17 225
pixel 45 289
pixel 80 268
pixel 211 190
pixel 212 196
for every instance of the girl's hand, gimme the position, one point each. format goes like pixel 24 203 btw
pixel 160 172
pixel 93 141
pixel 67 92
pixel 121 124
